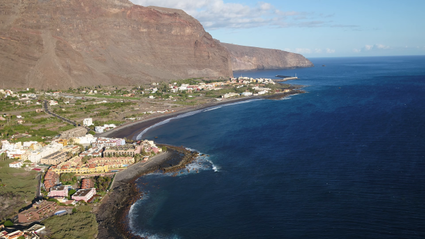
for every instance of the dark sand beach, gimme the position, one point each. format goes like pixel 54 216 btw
pixel 131 130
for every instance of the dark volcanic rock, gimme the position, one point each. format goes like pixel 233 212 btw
pixel 253 58
pixel 60 44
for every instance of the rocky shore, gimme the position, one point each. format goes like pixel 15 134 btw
pixel 112 214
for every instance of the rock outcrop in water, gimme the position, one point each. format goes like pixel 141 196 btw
pixel 254 58
pixel 60 44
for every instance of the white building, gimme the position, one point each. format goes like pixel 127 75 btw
pixel 16 164
pixel 228 95
pixel 36 155
pixel 34 144
pixel 85 140
pixel 246 93
pixel 88 121
pixel 101 129
pixel 53 102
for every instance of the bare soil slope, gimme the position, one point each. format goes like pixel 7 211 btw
pixel 59 44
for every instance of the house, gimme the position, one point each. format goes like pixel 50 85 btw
pixel 124 150
pixel 228 95
pixel 55 158
pixel 38 211
pixel 59 191
pixel 85 140
pixel 84 194
pixel 16 164
pixel 51 179
pixel 35 229
pixel 88 122
pixel 87 183
pixel 13 235
pixel 246 93
pixel 78 169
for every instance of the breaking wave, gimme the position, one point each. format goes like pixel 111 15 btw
pixel 140 135
pixel 132 216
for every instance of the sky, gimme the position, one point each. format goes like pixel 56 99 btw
pixel 313 28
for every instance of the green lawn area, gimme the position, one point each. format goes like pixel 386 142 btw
pixel 115 97
pixel 77 225
pixel 17 188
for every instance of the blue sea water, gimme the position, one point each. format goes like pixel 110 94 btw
pixel 345 160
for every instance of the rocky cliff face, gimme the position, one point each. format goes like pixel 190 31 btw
pixel 60 44
pixel 254 58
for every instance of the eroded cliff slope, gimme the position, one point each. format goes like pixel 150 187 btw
pixel 60 44
pixel 254 58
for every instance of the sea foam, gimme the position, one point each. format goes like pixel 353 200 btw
pixel 139 136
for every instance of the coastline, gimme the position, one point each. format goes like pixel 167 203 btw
pixel 112 213
pixel 131 130
pixel 111 216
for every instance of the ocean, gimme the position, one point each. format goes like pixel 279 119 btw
pixel 344 160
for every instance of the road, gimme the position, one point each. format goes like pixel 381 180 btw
pixel 47 110
pixel 38 193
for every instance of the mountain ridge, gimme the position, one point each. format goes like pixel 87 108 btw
pixel 246 58
pixel 61 44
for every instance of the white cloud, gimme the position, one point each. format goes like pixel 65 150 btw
pixel 214 14
pixel 372 48
pixel 368 47
pixel 380 46
pixel 330 51
pixel 318 50
pixel 303 50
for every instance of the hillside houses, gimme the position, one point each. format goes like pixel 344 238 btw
pixel 50 179
pixel 84 194
pixel 15 164
pixel 59 191
pixel 38 211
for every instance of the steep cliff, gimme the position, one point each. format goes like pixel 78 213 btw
pixel 254 58
pixel 60 44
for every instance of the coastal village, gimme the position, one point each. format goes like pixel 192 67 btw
pixel 71 171
pixel 55 159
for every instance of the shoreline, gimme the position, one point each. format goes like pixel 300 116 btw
pixel 132 129
pixel 112 213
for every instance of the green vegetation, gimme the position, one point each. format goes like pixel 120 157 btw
pixel 8 223
pixel 43 120
pixel 116 97
pixel 102 183
pixel 68 178
pixel 30 90
pixel 15 194
pixel 191 81
pixel 76 225
pixel 66 127
pixel 83 208
pixel 71 192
